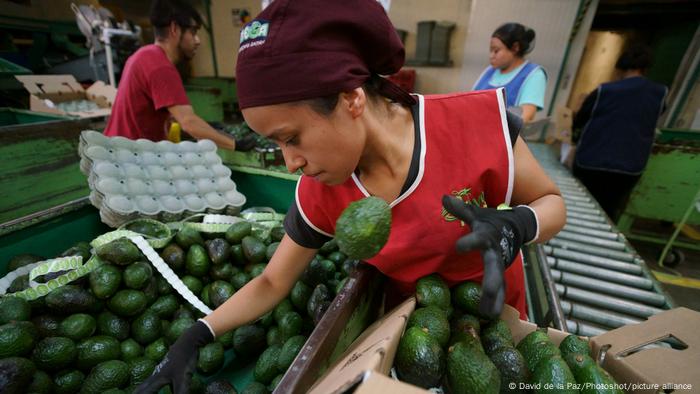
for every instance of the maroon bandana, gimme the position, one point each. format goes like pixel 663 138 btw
pixel 303 49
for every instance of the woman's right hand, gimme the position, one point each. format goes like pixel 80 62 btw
pixel 179 363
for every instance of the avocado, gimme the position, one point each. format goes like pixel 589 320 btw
pixel 467 296
pixel 130 349
pixel 18 284
pixel 68 381
pixel 266 366
pixel 419 358
pixel 97 349
pixel 319 302
pixel 526 344
pixel 81 249
pixel 137 275
pixel 21 260
pixel 249 340
pixel 46 325
pixel 219 292
pixel 165 306
pixel 146 328
pixel 221 386
pixel 237 256
pixel 112 325
pixel 222 272
pixel 226 339
pixel 341 284
pixel 70 299
pixel 146 227
pixel 285 306
pixel 174 257
pixel 177 327
pixel 328 247
pixel 553 372
pixel 300 294
pixel 349 266
pixel 78 326
pixel 255 388
pixel 277 233
pixel 120 252
pixel 197 261
pixel 127 302
pixel 253 249
pixel 464 325
pixel 511 365
pixel 17 338
pixel 211 358
pixel 495 335
pixel 156 350
pixel 14 308
pixel 270 251
pixel 591 377
pixel 194 284
pixel 471 371
pixel 219 250
pixel 363 228
pixel 238 231
pixel 319 271
pixel 105 280
pixel 432 319
pixel 289 351
pixel 140 369
pixel 432 290
pixel 54 353
pixel 106 375
pixel 204 295
pixel 186 237
pixel 239 280
pixel 163 286
pixel 257 269
pixel 538 353
pixel 273 336
pixel 574 344
pixel 41 383
pixel 290 325
pixel 16 373
pixel 184 311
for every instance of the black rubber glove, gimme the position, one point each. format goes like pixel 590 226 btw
pixel 499 234
pixel 179 363
pixel 246 142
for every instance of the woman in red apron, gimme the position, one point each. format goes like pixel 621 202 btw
pixel 308 78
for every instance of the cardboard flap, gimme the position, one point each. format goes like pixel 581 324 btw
pixel 375 383
pixel 50 84
pixel 520 328
pixel 102 94
pixel 624 359
pixel 373 350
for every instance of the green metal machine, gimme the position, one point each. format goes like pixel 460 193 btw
pixel 668 190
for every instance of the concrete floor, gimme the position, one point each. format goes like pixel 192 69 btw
pixel 690 268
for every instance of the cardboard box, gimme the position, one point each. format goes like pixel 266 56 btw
pixel 61 88
pixel 637 368
pixel 373 350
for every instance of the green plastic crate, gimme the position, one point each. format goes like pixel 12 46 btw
pixel 12 117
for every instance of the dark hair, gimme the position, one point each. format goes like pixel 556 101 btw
pixel 163 12
pixel 636 56
pixel 512 33
pixel 326 105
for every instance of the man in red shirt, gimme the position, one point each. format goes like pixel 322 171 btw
pixel 151 90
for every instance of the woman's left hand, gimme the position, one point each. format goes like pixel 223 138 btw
pixel 499 234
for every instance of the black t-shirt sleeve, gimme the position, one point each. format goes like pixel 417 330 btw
pixel 515 124
pixel 300 232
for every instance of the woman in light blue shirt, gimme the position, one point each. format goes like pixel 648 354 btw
pixel 524 81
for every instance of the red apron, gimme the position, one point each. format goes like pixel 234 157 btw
pixel 465 151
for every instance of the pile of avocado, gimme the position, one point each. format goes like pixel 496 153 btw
pixel 107 331
pixel 448 344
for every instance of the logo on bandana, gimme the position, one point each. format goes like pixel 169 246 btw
pixel 466 196
pixel 254 34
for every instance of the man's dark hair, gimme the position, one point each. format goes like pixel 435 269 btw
pixel 636 56
pixel 163 12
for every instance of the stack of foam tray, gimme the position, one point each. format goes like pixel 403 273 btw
pixel 601 281
pixel 159 180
